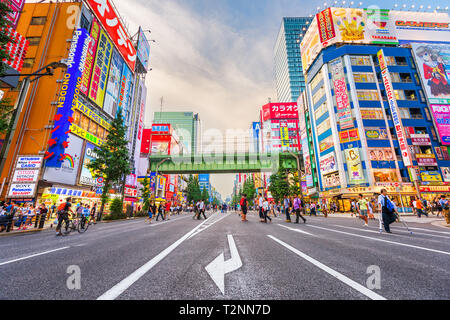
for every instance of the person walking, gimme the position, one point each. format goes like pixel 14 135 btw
pixel 420 208
pixel 202 210
pixel 261 208
pixel 151 211
pixel 363 209
pixel 286 208
pixel 160 211
pixel 298 206
pixel 167 210
pixel 444 206
pixel 387 209
pixel 266 209
pixel 244 208
pixel 312 208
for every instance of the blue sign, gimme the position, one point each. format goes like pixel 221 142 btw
pixel 68 99
pixel 143 49
pixel 160 129
pixel 203 177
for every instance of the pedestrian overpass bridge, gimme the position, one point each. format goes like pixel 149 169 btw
pixel 221 163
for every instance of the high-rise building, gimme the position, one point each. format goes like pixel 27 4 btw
pixel 378 111
pixel 64 117
pixel 288 70
pixel 185 124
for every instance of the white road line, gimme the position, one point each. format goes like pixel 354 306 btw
pixel 382 240
pixel 33 255
pixel 207 226
pixel 428 230
pixel 355 285
pixel 157 223
pixel 424 234
pixel 367 230
pixel 123 285
pixel 297 230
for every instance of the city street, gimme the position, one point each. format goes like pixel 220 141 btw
pixel 186 259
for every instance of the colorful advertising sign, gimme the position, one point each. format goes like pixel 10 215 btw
pixel 380 29
pixel 126 87
pixel 100 70
pixel 331 180
pixel 76 130
pixel 84 109
pixel 68 98
pixel 380 154
pixel 421 26
pixel 68 171
pixel 29 162
pixel 430 176
pixel 420 140
pixel 143 49
pixel 371 114
pixel 354 166
pixel 25 176
pixel 326 144
pixel 113 85
pixel 90 56
pixel 441 115
pixel 160 148
pixel 86 176
pixel 112 23
pixel 376 134
pixel 394 110
pixel 328 164
pixel 349 136
pixel 310 45
pixel 433 62
pixel 426 160
pixel 446 173
pixel 284 134
pixel 22 190
pixel 276 111
pixel 341 94
pixel 326 26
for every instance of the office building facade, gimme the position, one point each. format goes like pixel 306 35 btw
pixel 288 70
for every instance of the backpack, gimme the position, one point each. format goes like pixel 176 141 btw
pixel 61 207
pixel 388 205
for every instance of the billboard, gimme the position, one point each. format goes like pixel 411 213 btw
pixel 376 134
pixel 68 97
pixel 143 49
pixel 86 176
pixel 68 171
pixel 446 173
pixel 344 110
pixel 111 22
pixel 90 56
pixel 394 110
pixel 113 84
pixel 284 134
pixel 285 110
pixel 380 154
pixel 160 148
pixel 354 166
pixel 126 87
pixel 421 26
pixel 100 71
pixel 328 164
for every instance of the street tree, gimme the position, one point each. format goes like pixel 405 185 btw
pixel 279 185
pixel 193 191
pixel 250 190
pixel 113 162
pixel 146 193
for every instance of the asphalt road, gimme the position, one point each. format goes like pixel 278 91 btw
pixel 330 259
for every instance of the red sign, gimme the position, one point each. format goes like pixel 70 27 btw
pixel 16 49
pixel 420 140
pixel 90 56
pixel 104 12
pixel 285 110
pixel 434 189
pixel 425 160
pixel 326 26
pixel 131 192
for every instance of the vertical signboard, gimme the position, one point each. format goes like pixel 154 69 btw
pixel 16 7
pixel 86 176
pixel 344 110
pixel 100 71
pixel 143 49
pixel 113 85
pixel 126 88
pixel 326 26
pixel 110 20
pixel 406 155
pixel 86 80
pixel 284 134
pixel 68 99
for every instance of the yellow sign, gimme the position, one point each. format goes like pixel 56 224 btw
pixel 92 115
pixel 86 135
pixel 284 136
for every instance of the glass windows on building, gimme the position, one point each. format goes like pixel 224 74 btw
pixel 360 61
pixel 321 110
pixel 385 175
pixel 88 125
pixel 364 77
pixel 317 79
pixel 323 127
pixel 364 95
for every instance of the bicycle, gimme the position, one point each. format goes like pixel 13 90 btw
pixel 83 224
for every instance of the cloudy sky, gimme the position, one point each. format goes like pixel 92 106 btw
pixel 214 57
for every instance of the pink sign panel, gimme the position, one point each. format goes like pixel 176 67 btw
pixel 441 114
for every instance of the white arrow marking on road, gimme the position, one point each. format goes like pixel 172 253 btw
pixel 219 267
pixel 297 230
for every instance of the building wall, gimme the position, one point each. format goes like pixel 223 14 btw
pixel 288 72
pixel 53 46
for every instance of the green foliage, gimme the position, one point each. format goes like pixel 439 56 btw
pixel 294 189
pixel 116 209
pixel 250 190
pixel 279 185
pixel 146 194
pixel 205 196
pixel 6 112
pixel 113 162
pixel 4 38
pixel 193 191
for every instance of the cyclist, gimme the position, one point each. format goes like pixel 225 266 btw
pixel 63 214
pixel 85 213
